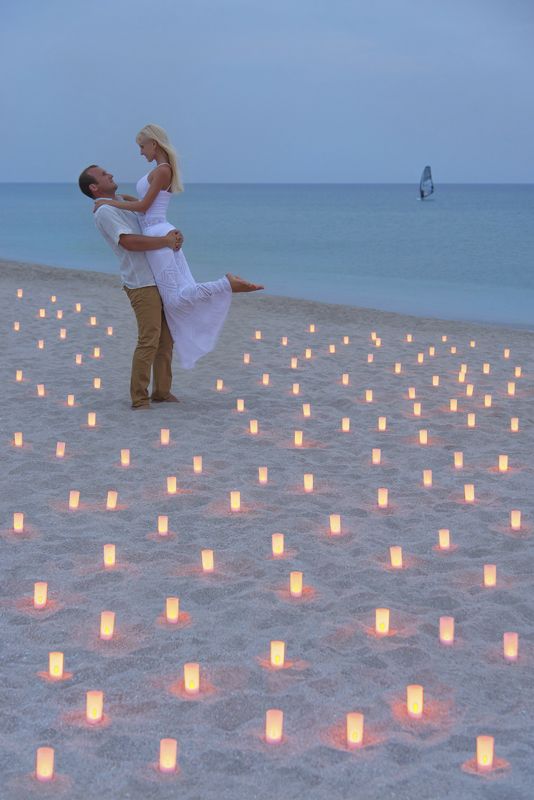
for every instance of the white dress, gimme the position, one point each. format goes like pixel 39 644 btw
pixel 195 312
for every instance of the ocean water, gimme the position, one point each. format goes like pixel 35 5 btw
pixel 467 253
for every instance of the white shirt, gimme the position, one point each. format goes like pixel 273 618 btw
pixel 112 223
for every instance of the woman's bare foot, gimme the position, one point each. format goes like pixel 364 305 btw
pixel 241 285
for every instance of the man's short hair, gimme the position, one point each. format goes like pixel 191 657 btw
pixel 85 180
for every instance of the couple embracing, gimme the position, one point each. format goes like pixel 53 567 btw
pixel 171 308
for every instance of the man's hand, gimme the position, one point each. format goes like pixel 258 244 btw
pixel 174 239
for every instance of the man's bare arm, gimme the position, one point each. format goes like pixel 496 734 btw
pixel 138 243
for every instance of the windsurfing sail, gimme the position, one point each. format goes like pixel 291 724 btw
pixel 426 187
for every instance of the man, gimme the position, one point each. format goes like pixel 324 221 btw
pixel 122 232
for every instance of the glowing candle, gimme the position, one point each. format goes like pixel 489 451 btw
pixel 192 678
pixel 354 722
pixel 208 564
pixel 376 456
pixel 345 379
pixel 409 337
pixel 370 358
pixel 257 335
pixel 18 439
pixel 78 307
pixel 219 385
pixel 414 701
pixel 263 475
pixel 163 524
pixel 382 497
pixel 471 420
pixel 423 437
pixel 308 353
pixel 487 401
pixel 92 321
pixel 284 341
pixel 109 330
pixel 111 501
pixel 296 388
pixel 164 436
pixel 382 621
pixel 20 293
pixel 382 423
pixel 444 539
pixel 78 358
pixel 485 746
pixel 197 465
pixel 514 424
pixel 511 388
pixel 96 352
pixel 16 325
pixel 517 372
pixel 510 645
pixel 427 477
pixel 490 575
pixel 397 369
pixel 168 749
pixel 420 358
pixel 240 404
pixel 18 522
pixel 274 725
pixel 458 460
pixel 411 392
pixel 109 555
pixel 40 594
pixel 306 410
pixel 331 348
pixel 265 378
pixel 171 484
pixel 107 625
pixel 18 376
pixel 62 333
pixel 40 344
pixel 368 395
pixel 378 341
pixel 172 609
pixel 453 349
pixel 312 327
pixel 503 463
pixel 277 544
pixel 55 665
pixel 469 390
pixel 469 492
pixel 461 377
pixel 432 351
pixel 446 630
pixel 40 390
pixel 444 338
pixel 295 584
pixel 395 556
pixel 246 358
pixel 298 438
pixel 97 383
pixel 345 424
pixel 253 426
pixel 435 380
pixel 74 499
pixel 235 501
pixel 91 419
pixel 44 763
pixel 335 524
pixel 94 706
pixel 308 482
pixel 373 336
pixel 42 313
pixel 125 458
pixel 278 651
pixel 515 520
pixel 417 409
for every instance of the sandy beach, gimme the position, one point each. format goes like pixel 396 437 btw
pixel 335 662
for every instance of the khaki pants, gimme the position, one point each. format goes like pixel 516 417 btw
pixel 154 347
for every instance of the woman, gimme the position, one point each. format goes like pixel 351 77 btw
pixel 195 312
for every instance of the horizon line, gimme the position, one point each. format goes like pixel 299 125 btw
pixel 300 183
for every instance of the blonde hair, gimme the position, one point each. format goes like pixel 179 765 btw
pixel 160 137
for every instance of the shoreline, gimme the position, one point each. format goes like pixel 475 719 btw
pixel 47 271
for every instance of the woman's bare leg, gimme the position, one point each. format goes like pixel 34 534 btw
pixel 241 285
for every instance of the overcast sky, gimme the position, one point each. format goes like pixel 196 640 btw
pixel 270 90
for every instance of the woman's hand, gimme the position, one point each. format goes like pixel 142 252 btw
pixel 103 201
